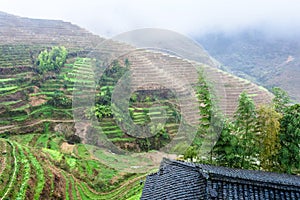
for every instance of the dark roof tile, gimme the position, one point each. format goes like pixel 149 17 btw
pixel 182 180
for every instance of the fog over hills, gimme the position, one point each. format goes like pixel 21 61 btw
pixel 265 57
pixel 191 17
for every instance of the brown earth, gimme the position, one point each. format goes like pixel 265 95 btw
pixel 67 148
pixel 37 100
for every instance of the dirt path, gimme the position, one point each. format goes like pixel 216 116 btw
pixel 6 127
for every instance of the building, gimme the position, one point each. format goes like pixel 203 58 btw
pixel 181 180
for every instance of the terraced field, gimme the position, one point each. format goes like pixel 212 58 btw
pixel 42 114
pixel 33 166
pixel 43 165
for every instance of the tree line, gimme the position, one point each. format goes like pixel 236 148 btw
pixel 266 137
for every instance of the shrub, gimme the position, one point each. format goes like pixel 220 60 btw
pixel 52 60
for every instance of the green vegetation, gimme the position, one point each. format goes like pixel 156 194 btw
pixel 55 155
pixel 8 88
pixel 289 156
pixel 142 109
pixel 244 122
pixel 52 60
pixel 226 149
pixel 43 159
pixel 37 165
pixel 39 173
pixel 34 169
pixel 268 127
pixel 26 173
pixel 9 174
pixel 262 138
pixel 205 107
pixel 281 99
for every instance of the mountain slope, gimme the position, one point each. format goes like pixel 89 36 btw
pixel 20 30
pixel 260 57
pixel 38 118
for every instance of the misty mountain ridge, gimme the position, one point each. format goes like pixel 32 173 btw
pixel 267 58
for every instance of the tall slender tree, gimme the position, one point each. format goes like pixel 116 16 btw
pixel 268 128
pixel 290 139
pixel 225 150
pixel 281 99
pixel 245 125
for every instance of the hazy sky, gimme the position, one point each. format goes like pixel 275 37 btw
pixel 110 17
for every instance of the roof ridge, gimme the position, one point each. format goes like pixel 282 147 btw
pixel 250 175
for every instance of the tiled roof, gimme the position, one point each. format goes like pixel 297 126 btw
pixel 181 180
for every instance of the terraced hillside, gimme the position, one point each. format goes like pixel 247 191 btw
pixel 19 30
pixel 42 114
pixel 36 167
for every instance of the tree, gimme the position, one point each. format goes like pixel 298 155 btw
pixel 268 127
pixel 226 147
pixel 205 102
pixel 58 57
pixel 52 60
pixel 190 153
pixel 99 111
pixel 59 100
pixel 104 97
pixel 281 99
pixel 127 63
pixel 205 109
pixel 43 61
pixel 211 120
pixel 245 125
pixel 289 155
